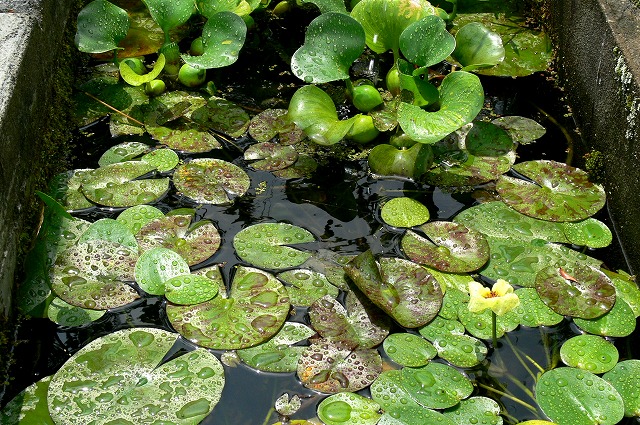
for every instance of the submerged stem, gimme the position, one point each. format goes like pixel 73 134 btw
pixel 494 329
pixel 516 352
pixel 113 109
pixel 510 397
pixel 564 131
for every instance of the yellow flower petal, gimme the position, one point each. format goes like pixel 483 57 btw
pixel 502 287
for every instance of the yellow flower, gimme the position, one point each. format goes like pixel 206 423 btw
pixel 500 298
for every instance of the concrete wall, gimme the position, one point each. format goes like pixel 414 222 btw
pixel 30 39
pixel 598 45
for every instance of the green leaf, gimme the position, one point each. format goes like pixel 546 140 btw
pixel 620 321
pixel 211 181
pixel 135 79
pixel 326 6
pixel 101 26
pixel 625 378
pixel 107 229
pixel 169 14
pixel 222 115
pixel 223 36
pixel 122 152
pixel 626 288
pixel 65 189
pixel 427 42
pixel 522 130
pixel 461 350
pixel 65 314
pixel 305 286
pixel 269 156
pixel 190 289
pixel 533 312
pixel 162 159
pixel 404 212
pixel 208 8
pixel 478 47
pixel 475 410
pixel 589 352
pixel 436 385
pixel 29 406
pixel 589 232
pixel 350 408
pixel 134 218
pixel 156 266
pixel 408 349
pixel 388 160
pixel 275 122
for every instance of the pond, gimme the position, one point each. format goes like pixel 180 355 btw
pixel 232 279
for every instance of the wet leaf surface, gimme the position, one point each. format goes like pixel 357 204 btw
pixel 270 156
pixel 348 408
pixel 408 349
pixel 211 181
pixel 306 286
pixel 625 378
pixel 589 352
pixel 275 122
pixel 435 385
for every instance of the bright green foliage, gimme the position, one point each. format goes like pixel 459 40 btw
pixel 348 408
pixel 222 38
pixel 101 26
pixel 478 47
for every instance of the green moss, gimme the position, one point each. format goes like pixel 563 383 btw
pixel 594 164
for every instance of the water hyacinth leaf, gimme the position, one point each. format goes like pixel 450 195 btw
pixel 162 159
pixel 626 288
pixel 65 188
pixel 574 396
pixel 306 286
pixel 314 63
pixel 256 307
pixel 134 218
pixel 625 378
pixel 222 115
pixel 441 327
pixel 29 406
pixel 475 410
pixel 156 266
pixel 521 129
pixel 461 350
pixel 208 8
pixel 275 122
pixel 589 352
pixel 408 349
pixel 79 277
pixel 404 290
pixel 533 312
pixel 436 385
pixel 190 289
pixel 479 324
pixel 122 152
pixel 287 406
pixel 620 321
pixel 348 408
pixel 65 314
pixel 114 185
pixel 589 232
pixel 326 6
pixel 427 42
pixel 278 354
pixel 384 21
pixel 211 181
pixel 448 247
pixel 331 369
pixel 303 167
pixel 101 26
pixel 576 290
pixel 478 47
pixel 169 14
pixel 195 242
pixel 461 99
pixel 269 156
pixel 555 192
pixel 267 245
pixel 404 212
pixel 134 79
pixel 223 36
pixel 415 81
pixel 124 357
pixel 108 229
pixel 184 136
pixel 360 324
pixel 314 112
pixel 388 160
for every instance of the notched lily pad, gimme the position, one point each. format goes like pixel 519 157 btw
pixel 436 385
pixel 404 212
pixel 589 352
pixel 211 181
pixel 137 216
pixel 190 289
pixel 625 378
pixel 222 115
pixel 408 349
pixel 65 188
pixel 29 406
pixel 269 156
pixel 275 122
pixel 475 410
pixel 156 266
pixel 184 136
pixel 617 322
pixel 306 286
pixel 122 152
pixel 348 408
pixel 65 314
pixel 522 130
pixel 589 232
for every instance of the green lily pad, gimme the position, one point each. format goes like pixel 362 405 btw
pixel 306 286
pixel 156 266
pixel 556 192
pixel 123 152
pixel 101 26
pixel 107 229
pixel 190 289
pixel 194 242
pixel 134 218
pixel 278 354
pixel 124 366
pixel 303 167
pixel 576 290
pixel 184 136
pixel 211 181
pixel 29 406
pixel 269 156
pixel 223 116
pixel 475 410
pixel 626 288
pixel 479 324
pixel 92 274
pixel 408 349
pixel 427 42
pixel 213 273
pixel 65 314
pixel 223 36
pixel 452 300
pixel 478 47
pixel 522 130
pixel 255 310
pixel 115 185
pixel 402 289
pixel 287 406
pixel 404 212
pixel 625 378
pixel 448 247
pixel 436 385
pixel 330 368
pixel 162 159
pixel 533 312
pixel 461 350
pixel 132 78
pixel 359 324
pixel 267 245
pixel 275 122
pixel 314 63
pixel 441 327
pixel 574 396
pixel 589 232
pixel 65 188
pixel 589 352
pixel 388 160
pixel 341 408
pixel 170 14
pixel 620 321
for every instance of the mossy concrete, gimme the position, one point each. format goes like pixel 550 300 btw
pixel 598 63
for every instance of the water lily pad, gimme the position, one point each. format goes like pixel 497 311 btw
pixel 326 6
pixel 123 152
pixel 404 290
pixel 131 359
pixel 448 247
pixel 303 167
pixel 275 122
pixel 278 354
pixel 214 274
pixel 404 212
pixel 269 156
pixel 314 62
pixel 625 378
pixel 576 290
pixel 348 408
pixel 65 314
pixel 211 181
pixel 162 159
pixel 441 327
pixel 436 385
pixel 267 245
pixel 190 289
pixel 589 232
pixel 589 352
pixel 156 266
pixel 359 324
pixel 408 349
pixel 452 300
pixel 522 130
pixel 461 350
pixel 91 275
pixel 107 229
pixel 222 115
pixel 626 288
pixel 184 136
pixel 134 218
pixel 194 242
pixel 115 185
pixel 533 312
pixel 255 310
pixel 479 324
pixel 287 406
pixel 475 410
pixel 29 406
pixel 555 192
pixel 65 188
pixel 388 160
pixel 101 26
pixel 478 47
pixel 620 321
pixel 574 396
pixel 306 286
pixel 331 369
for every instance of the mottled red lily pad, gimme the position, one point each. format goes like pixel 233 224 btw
pixel 211 181
pixel 275 122
pixel 269 156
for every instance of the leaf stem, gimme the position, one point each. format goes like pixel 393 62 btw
pixel 516 352
pixel 510 397
pixel 112 108
pixel 494 329
pixel 266 420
